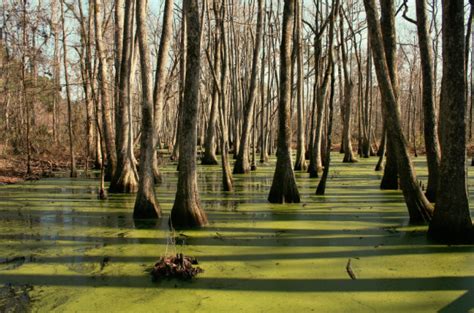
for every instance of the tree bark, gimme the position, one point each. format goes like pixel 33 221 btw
pixel 321 189
pixel 209 157
pixel 242 164
pixel 452 219
pixel 187 211
pixel 73 170
pixel 146 206
pixel 182 79
pixel 227 179
pixel 300 162
pixel 390 174
pixel 419 208
pixel 125 178
pixel 433 153
pixel 348 90
pixel 160 81
pixel 103 78
pixel 284 188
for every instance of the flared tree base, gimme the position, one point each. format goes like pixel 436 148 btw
pixel 102 194
pixel 241 166
pixel 187 214
pixel 109 172
pixel 146 208
pixel 209 159
pixel 389 182
pixel 379 167
pixel 301 165
pixel 73 173
pixel 126 184
pixel 349 158
pixel 284 188
pixel 450 231
pixel 157 177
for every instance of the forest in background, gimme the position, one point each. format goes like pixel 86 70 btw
pixel 122 86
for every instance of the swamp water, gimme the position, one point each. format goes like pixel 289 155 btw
pixel 63 250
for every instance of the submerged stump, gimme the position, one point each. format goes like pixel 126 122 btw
pixel 179 267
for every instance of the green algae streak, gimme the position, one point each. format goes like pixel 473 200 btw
pixel 257 257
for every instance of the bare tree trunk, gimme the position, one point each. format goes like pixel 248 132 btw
pixel 317 165
pixel 56 69
pixel 120 21
pixel 390 175
pixel 321 189
pixel 419 208
pixel 452 219
pixel 187 211
pixel 242 165
pixel 125 178
pixel 146 206
pixel 209 157
pixel 430 128
pixel 73 171
pixel 348 90
pixel 319 100
pixel 379 167
pixel 367 149
pixel 227 180
pixel 263 105
pixel 284 188
pixel 300 162
pixel 103 78
pixel 182 79
pixel 24 95
pixel 160 81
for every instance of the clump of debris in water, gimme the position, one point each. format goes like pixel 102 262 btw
pixel 179 267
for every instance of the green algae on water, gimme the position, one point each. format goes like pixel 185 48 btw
pixel 258 257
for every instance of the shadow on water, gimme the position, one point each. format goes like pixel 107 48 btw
pixel 145 224
pixel 55 233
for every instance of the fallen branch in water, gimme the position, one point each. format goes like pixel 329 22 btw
pixel 350 271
